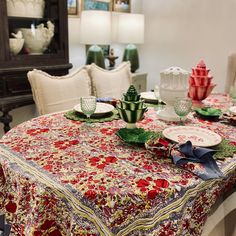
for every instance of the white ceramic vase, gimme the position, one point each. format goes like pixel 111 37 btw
pixel 173 84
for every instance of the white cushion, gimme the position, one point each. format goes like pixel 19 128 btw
pixel 111 83
pixel 57 93
pixel 231 73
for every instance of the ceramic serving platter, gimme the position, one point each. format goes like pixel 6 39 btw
pixel 198 136
pixel 135 136
pixel 102 109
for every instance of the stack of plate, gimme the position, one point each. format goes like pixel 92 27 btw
pixel 149 97
pixel 232 110
pixel 102 110
pixel 230 116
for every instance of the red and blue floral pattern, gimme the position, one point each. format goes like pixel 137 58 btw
pixel 62 177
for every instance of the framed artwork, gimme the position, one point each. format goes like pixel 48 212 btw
pixel 73 8
pixel 104 5
pixel 121 5
pixel 105 49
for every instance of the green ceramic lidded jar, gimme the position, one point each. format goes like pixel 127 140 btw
pixel 131 108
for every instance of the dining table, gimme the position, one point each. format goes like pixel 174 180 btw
pixel 67 177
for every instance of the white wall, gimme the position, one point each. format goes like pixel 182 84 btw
pixel 181 32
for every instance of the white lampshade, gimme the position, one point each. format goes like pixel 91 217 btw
pixel 127 28
pixel 95 27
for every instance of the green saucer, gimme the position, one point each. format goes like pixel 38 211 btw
pixel 208 113
pixel 135 136
pixel 77 116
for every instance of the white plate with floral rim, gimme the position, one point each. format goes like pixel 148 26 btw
pixel 149 96
pixel 198 136
pixel 233 110
pixel 217 100
pixel 102 109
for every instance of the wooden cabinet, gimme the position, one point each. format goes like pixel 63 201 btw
pixel 139 80
pixel 15 89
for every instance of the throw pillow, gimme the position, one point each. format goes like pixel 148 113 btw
pixel 57 93
pixel 111 83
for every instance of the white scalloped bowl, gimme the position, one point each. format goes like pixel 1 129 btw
pixel 25 8
pixel 16 45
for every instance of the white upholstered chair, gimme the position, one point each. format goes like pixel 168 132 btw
pixel 57 93
pixel 231 72
pixel 218 223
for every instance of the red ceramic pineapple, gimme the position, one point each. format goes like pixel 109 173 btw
pixel 200 85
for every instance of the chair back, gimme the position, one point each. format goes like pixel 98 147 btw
pixel 219 222
pixel 4 227
pixel 231 73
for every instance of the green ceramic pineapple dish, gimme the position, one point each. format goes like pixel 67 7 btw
pixel 131 108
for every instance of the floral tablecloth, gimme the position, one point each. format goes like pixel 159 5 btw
pixel 62 177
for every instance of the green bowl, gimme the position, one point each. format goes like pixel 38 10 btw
pixel 130 116
pixel 131 105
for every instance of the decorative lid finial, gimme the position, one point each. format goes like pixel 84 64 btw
pixel 201 64
pixel 131 94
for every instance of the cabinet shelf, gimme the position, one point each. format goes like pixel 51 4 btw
pixel 13 68
pixel 26 22
pixel 30 19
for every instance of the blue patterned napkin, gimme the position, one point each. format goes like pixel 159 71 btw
pixel 198 160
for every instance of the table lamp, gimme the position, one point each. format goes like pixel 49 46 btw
pixel 95 29
pixel 129 28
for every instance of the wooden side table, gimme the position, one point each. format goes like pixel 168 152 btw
pixel 139 80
